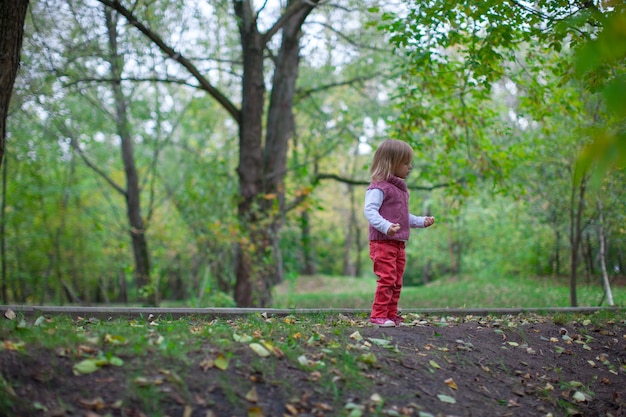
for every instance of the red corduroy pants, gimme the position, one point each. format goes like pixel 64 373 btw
pixel 389 257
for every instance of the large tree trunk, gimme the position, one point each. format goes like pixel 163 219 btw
pixel 12 15
pixel 132 192
pixel 262 169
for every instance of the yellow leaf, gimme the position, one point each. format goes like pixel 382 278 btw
pixel 115 340
pixel 259 350
pixel 255 412
pixel 252 395
pixel 434 364
pixel 9 345
pixel 450 382
pixel 356 336
pixel 221 362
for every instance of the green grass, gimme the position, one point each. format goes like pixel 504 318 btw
pixel 458 292
pixel 151 360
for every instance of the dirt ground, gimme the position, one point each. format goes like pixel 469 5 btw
pixel 510 366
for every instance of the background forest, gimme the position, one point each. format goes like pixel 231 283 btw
pixel 133 174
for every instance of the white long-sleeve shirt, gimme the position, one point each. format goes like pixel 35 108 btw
pixel 373 201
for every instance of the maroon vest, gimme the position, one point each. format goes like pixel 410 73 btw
pixel 395 208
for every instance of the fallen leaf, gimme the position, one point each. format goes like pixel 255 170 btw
pixel 434 364
pixel 9 314
pixel 368 358
pixel 450 382
pixel 513 403
pixel 207 364
pixel 446 399
pixel 356 336
pixel 86 366
pixel 380 342
pixel 221 362
pixel 376 398
pixel 252 395
pixel 259 350
pixel 93 404
pixel 323 407
pixel 255 412
pixel 9 345
pixel 242 339
pixel 315 376
pixel 292 409
pixel 115 340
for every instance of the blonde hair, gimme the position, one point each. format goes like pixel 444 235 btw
pixel 388 157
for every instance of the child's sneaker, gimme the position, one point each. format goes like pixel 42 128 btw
pixel 397 320
pixel 382 322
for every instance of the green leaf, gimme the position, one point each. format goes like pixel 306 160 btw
pixel 446 399
pixel 368 358
pixel 380 342
pixel 115 361
pixel 221 362
pixel 86 366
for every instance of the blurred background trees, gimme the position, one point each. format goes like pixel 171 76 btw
pixel 128 179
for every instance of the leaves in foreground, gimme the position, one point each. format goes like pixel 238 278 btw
pixel 323 365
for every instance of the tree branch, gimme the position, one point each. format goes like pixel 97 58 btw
pixel 290 11
pixel 302 94
pixel 300 198
pixel 94 167
pixel 350 181
pixel 176 56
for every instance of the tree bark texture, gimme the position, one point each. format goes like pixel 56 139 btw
pixel 576 209
pixel 12 15
pixel 262 163
pixel 132 192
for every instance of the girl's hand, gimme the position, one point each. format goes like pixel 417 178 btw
pixel 393 229
pixel 429 221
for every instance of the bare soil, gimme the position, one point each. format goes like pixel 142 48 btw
pixel 494 366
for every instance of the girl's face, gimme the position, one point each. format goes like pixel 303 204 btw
pixel 403 170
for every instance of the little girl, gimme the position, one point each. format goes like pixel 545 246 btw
pixel 387 211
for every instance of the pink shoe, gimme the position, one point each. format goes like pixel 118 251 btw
pixel 382 322
pixel 397 320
